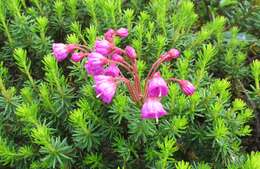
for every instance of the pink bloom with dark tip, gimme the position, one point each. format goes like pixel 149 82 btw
pixel 61 50
pixel 152 109
pixel 105 87
pixel 130 52
pixel 187 87
pixel 171 54
pixel 109 35
pixel 77 57
pixel 103 46
pixel 157 86
pixel 122 32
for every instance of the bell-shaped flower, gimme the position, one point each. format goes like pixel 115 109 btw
pixel 187 87
pixel 157 87
pixel 152 109
pixel 105 87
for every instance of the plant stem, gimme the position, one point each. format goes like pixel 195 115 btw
pixel 10 40
pixel 130 88
pixel 155 66
pixel 136 79
pixel 126 67
pixel 82 49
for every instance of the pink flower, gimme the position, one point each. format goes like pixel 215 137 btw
pixel 122 32
pixel 117 58
pixel 186 87
pixel 97 59
pixel 95 63
pixel 112 70
pixel 171 54
pixel 61 50
pixel 109 35
pixel 103 46
pixel 94 70
pixel 157 86
pixel 77 57
pixel 130 52
pixel 105 87
pixel 152 109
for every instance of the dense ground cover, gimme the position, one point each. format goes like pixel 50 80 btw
pixel 50 116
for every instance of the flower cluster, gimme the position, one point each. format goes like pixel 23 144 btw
pixel 105 63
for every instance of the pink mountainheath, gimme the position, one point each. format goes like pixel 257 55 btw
pixel 106 62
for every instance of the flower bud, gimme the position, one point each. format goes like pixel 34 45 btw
pixel 117 58
pixel 187 87
pixel 77 57
pixel 130 52
pixel 109 35
pixel 61 50
pixel 171 54
pixel 122 32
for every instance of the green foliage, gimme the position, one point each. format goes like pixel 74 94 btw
pixel 252 161
pixel 85 134
pixel 182 165
pixel 255 69
pixel 9 155
pixel 51 118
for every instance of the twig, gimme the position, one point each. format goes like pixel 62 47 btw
pixel 252 105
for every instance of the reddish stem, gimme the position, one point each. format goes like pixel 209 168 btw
pixel 151 73
pixel 136 79
pixel 81 49
pixel 121 50
pixel 84 46
pixel 130 88
pixel 122 64
pixel 127 64
pixel 173 79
